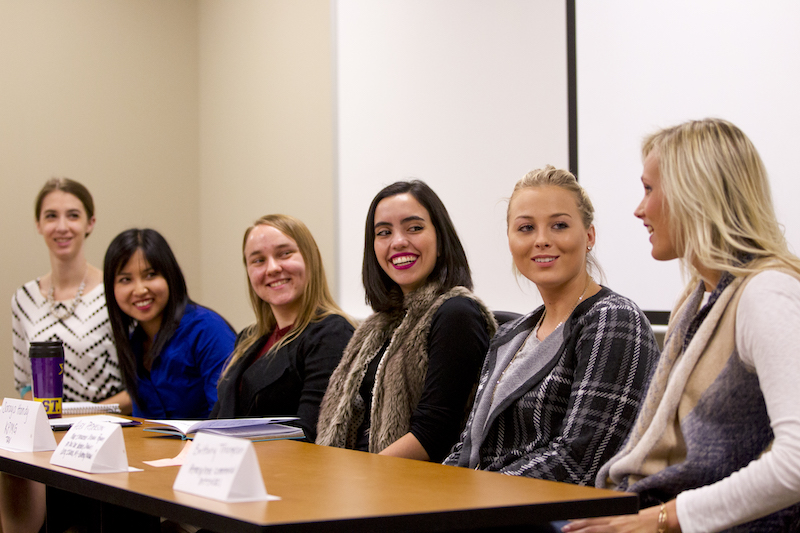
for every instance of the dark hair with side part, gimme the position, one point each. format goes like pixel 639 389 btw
pixel 451 269
pixel 162 260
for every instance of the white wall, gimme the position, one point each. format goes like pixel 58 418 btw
pixel 467 95
pixel 646 65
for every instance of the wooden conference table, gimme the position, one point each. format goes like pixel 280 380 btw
pixel 321 489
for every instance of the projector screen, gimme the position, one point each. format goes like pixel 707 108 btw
pixel 646 65
pixel 467 95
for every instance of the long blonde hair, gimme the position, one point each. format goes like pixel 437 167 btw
pixel 316 302
pixel 718 198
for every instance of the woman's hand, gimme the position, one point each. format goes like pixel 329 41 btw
pixel 646 521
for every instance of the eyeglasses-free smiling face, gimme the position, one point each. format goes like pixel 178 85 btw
pixel 546 236
pixel 141 292
pixel 63 223
pixel 653 211
pixel 276 270
pixel 405 241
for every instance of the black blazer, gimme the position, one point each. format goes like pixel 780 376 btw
pixel 288 382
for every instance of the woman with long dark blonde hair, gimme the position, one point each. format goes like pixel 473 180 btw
pixel 281 364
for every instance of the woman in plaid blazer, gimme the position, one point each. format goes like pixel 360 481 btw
pixel 561 386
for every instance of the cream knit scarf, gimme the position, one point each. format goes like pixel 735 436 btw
pixel 679 379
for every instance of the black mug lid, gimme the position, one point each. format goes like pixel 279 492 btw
pixel 46 349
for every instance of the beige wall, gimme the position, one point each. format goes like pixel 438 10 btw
pixel 174 114
pixel 266 133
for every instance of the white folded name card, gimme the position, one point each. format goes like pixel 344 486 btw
pixel 24 427
pixel 222 468
pixel 94 447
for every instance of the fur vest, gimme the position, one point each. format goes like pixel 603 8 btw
pixel 401 373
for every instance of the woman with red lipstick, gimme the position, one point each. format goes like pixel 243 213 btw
pixel 715 446
pixel 67 304
pixel 408 374
pixel 282 363
pixel 171 350
pixel 560 387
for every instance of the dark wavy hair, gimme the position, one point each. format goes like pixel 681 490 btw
pixel 162 260
pixel 451 269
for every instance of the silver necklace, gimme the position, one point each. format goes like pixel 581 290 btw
pixel 533 331
pixel 64 312
pixel 580 298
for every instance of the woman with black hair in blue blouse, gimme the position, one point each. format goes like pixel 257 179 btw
pixel 170 349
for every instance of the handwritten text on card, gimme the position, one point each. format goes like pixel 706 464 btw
pixel 222 468
pixel 24 427
pixel 94 447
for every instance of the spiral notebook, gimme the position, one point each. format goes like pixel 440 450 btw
pixel 88 408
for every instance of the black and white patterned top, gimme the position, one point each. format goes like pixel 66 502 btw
pixel 91 369
pixel 566 404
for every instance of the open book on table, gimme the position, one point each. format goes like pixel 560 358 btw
pixel 248 428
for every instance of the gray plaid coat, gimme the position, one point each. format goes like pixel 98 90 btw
pixel 573 413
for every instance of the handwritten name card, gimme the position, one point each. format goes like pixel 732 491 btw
pixel 24 427
pixel 94 447
pixel 222 468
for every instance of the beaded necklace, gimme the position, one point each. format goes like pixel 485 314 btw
pixel 66 312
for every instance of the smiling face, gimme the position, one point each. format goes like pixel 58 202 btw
pixel 277 271
pixel 405 241
pixel 653 211
pixel 141 292
pixel 546 236
pixel 63 224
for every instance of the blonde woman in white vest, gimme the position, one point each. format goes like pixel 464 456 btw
pixel 716 446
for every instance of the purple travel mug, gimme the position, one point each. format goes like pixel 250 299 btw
pixel 47 367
